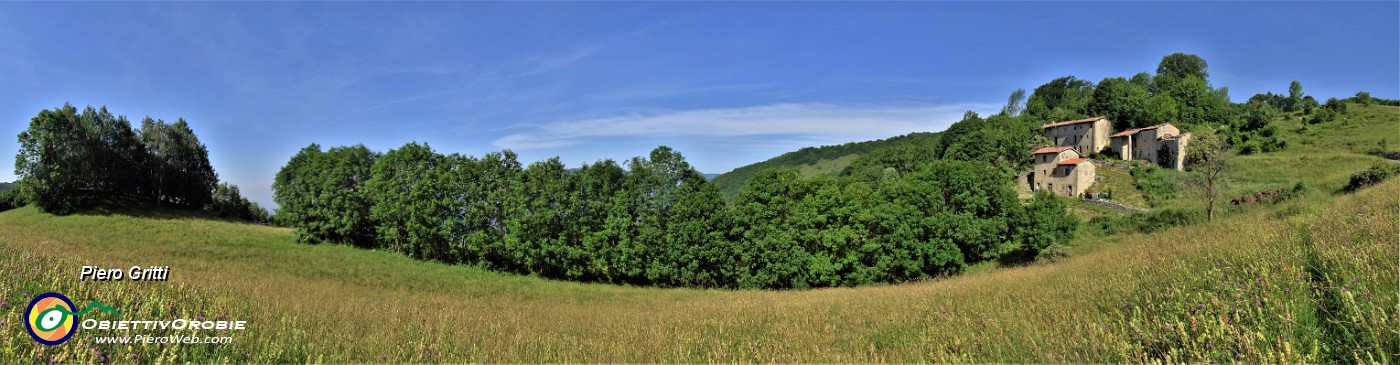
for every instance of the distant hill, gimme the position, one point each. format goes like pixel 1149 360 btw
pixel 811 161
pixel 6 186
pixel 711 176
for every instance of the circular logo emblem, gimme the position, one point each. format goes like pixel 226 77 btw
pixel 50 318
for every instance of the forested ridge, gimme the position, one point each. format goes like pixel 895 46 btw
pixel 730 182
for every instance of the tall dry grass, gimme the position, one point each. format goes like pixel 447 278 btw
pixel 1263 286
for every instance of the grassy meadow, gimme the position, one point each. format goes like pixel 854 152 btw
pixel 1308 280
pixel 1295 282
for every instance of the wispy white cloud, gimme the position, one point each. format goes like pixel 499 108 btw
pixel 814 121
pixel 538 65
pixel 405 100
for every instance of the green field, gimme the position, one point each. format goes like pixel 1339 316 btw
pixel 1302 281
pixel 1310 279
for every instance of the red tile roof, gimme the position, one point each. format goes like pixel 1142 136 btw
pixel 1073 161
pixel 1135 130
pixel 1068 122
pixel 1053 149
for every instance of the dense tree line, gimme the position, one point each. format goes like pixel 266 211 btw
pixel 658 222
pixel 70 160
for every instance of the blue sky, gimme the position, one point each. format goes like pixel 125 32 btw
pixel 727 84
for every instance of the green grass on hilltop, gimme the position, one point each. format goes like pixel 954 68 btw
pixel 1305 281
pixel 828 167
pixel 811 161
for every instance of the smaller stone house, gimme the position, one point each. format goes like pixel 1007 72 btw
pixel 1161 144
pixel 1086 135
pixel 1061 170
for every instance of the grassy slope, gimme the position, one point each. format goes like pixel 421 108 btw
pixel 1323 156
pixel 1126 302
pixel 1121 184
pixel 1308 280
pixel 830 167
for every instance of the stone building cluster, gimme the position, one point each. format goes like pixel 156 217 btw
pixel 1064 168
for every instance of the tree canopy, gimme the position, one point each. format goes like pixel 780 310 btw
pixel 70 160
pixel 659 222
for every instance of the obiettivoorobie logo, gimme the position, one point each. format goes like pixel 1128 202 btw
pixel 51 319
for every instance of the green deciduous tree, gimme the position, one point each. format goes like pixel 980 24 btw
pixel 178 165
pixel 409 202
pixel 1124 103
pixel 1065 98
pixel 69 160
pixel 1015 103
pixel 1295 96
pixel 52 161
pixel 228 202
pixel 322 195
pixel 1182 65
pixel 1209 162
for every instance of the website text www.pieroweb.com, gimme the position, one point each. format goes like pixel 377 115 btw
pixel 53 318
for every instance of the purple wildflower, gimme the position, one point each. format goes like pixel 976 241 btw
pixel 383 357
pixel 1237 356
pixel 2 304
pixel 1366 293
pixel 199 317
pixel 134 355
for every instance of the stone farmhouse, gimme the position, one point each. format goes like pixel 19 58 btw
pixel 1065 169
pixel 1085 135
pixel 1162 144
pixel 1062 170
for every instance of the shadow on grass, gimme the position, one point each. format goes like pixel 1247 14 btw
pixel 140 208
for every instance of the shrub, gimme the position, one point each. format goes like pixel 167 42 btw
pixel 1052 254
pixel 10 199
pixel 1371 176
pixel 1143 222
pixel 1166 218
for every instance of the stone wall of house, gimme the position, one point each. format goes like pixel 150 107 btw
pixel 1087 137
